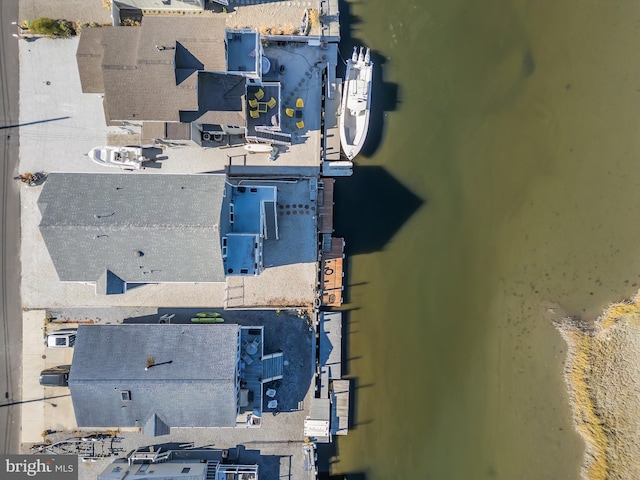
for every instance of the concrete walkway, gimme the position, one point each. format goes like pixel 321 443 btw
pixel 43 408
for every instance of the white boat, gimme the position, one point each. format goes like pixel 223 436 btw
pixel 127 158
pixel 356 102
pixel 258 148
pixel 272 150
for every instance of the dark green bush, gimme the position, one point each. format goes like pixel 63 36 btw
pixel 51 27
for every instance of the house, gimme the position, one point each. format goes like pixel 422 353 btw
pixel 192 464
pixel 172 375
pixel 182 79
pixel 111 230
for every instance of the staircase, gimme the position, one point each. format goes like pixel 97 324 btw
pixel 212 468
pixel 272 136
pixel 326 242
pixel 272 367
pixel 151 457
pixel 270 221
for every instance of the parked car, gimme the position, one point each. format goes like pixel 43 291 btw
pixel 63 338
pixel 56 376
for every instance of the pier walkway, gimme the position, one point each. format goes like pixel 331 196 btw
pixel 332 272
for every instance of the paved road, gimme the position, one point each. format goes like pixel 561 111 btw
pixel 10 306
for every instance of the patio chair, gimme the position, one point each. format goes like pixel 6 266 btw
pixel 271 103
pixel 299 103
pixel 260 94
pixel 247 359
pixel 289 112
pixel 253 103
pixel 252 348
pixel 300 124
pixel 254 113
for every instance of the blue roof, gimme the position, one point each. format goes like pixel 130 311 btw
pixel 247 202
pixel 243 254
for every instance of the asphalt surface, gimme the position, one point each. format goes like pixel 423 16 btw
pixel 10 306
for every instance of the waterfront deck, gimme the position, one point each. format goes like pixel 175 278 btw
pixel 330 358
pixel 250 395
pixel 340 406
pixel 331 151
pixel 332 273
pixel 329 382
pixel 325 205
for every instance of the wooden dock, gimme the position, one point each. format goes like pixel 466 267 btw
pixel 340 404
pixel 325 205
pixel 332 273
pixel 330 350
pixel 331 151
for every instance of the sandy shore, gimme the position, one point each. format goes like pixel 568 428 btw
pixel 602 373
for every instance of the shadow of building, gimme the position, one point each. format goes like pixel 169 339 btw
pixel 372 207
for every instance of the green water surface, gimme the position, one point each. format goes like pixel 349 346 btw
pixel 515 124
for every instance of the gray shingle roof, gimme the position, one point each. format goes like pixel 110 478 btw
pixel 197 389
pixel 89 57
pixel 178 131
pixel 221 99
pixel 105 47
pixel 142 228
pixel 155 427
pixel 149 73
pixel 152 131
pixel 110 284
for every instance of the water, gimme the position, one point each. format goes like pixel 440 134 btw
pixel 503 191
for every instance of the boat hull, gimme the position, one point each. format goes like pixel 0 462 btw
pixel 258 148
pixel 355 109
pixel 126 158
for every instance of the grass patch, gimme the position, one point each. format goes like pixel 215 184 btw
pixel 314 18
pixel 603 381
pixel 586 417
pixel 52 28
